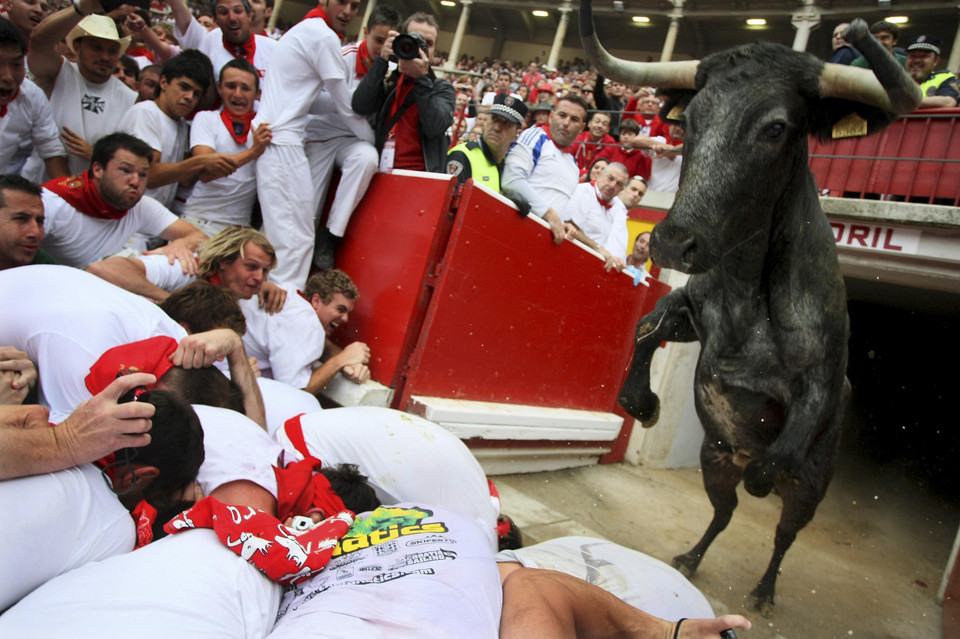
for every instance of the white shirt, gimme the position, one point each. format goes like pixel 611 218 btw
pixel 432 576
pixel 606 227
pixel 185 585
pixel 89 110
pixel 538 170
pixel 211 44
pixel 665 172
pixel 407 458
pixel 73 317
pixel 325 121
pixel 285 343
pixel 164 134
pixel 77 240
pixel 230 199
pixel 28 125
pixel 39 546
pixel 307 60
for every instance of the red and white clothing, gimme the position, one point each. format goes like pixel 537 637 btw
pixel 285 343
pixel 536 168
pixel 405 457
pixel 634 159
pixel 283 401
pixel 665 172
pixel 214 206
pixel 638 579
pixel 331 142
pixel 257 50
pixel 186 585
pixel 433 576
pixel 167 135
pixel 306 61
pixel 585 150
pixel 77 240
pixel 89 110
pixel 73 317
pixel 54 523
pixel 603 222
pixel 26 125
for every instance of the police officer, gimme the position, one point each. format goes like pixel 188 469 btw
pixel 939 88
pixel 483 159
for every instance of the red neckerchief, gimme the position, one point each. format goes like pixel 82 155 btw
pixel 143 513
pixel 140 51
pixel 238 125
pixel 364 59
pixel 318 12
pixel 82 194
pixel 3 109
pixel 403 88
pixel 565 149
pixel 244 50
pixel 596 192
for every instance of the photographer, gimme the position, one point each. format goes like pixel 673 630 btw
pixel 414 108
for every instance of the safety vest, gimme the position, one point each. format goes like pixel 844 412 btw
pixel 481 169
pixel 930 86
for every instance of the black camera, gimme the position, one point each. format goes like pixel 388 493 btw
pixel 407 46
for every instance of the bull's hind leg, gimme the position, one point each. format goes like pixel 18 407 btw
pixel 720 479
pixel 668 321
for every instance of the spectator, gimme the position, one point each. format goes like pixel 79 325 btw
pixel 634 191
pixel 532 75
pixel 596 216
pixel 21 221
pixel 589 143
pixel 308 60
pixel 540 169
pixel 595 170
pixel 331 143
pixel 87 101
pixel 133 24
pixel 640 254
pixel 483 160
pixel 161 124
pixel 939 88
pixel 26 121
pixel 260 12
pixel 502 87
pixel 612 97
pixel 26 14
pixel 92 215
pixel 629 151
pixel 235 39
pixel 540 114
pixel 414 108
pixel 887 34
pixel 667 159
pixel 160 43
pixel 128 72
pixel 149 82
pixel 843 53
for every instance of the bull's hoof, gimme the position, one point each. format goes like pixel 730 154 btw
pixel 687 564
pixel 645 409
pixel 758 478
pixel 763 600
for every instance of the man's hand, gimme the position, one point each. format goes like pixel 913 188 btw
pixel 203 349
pixel 100 425
pixel 552 218
pixel 217 165
pixel 387 50
pixel 413 69
pixel 178 249
pixel 76 145
pixel 134 23
pixel 254 366
pixel 272 298
pixel 17 375
pixel 610 262
pixel 357 373
pixel 355 353
pixel 261 138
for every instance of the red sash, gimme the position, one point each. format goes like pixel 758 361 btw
pixel 596 192
pixel 142 52
pixel 318 12
pixel 364 59
pixel 244 50
pixel 82 194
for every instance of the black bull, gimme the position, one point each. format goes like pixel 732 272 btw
pixel 766 298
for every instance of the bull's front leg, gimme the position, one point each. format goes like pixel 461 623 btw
pixel 672 321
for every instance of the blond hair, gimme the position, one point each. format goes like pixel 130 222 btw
pixel 227 245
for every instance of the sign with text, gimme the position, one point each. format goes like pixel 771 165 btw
pixel 871 237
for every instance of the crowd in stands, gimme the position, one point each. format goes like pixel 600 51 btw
pixel 169 296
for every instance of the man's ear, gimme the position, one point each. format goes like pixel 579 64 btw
pixel 316 301
pixel 127 476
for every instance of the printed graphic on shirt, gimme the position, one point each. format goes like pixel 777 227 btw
pixel 93 103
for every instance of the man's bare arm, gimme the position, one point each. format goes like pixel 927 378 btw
pixel 355 353
pixel 130 274
pixel 43 58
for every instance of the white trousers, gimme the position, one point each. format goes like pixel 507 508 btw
pixel 286 196
pixel 358 162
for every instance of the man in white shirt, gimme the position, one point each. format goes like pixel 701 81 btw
pixel 596 216
pixel 160 123
pixel 330 142
pixel 307 60
pixel 234 37
pixel 87 101
pixel 539 167
pixel 92 215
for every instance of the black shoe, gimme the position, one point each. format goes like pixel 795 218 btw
pixel 324 248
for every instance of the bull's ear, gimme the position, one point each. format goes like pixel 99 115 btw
pixel 827 112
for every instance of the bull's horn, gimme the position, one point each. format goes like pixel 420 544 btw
pixel 665 75
pixel 888 86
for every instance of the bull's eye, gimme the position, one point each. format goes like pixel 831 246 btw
pixel 774 131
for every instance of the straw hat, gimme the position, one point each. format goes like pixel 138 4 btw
pixel 97 26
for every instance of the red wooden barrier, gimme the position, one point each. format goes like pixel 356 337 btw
pixel 917 157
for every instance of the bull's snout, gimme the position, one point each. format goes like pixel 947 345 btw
pixel 674 248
